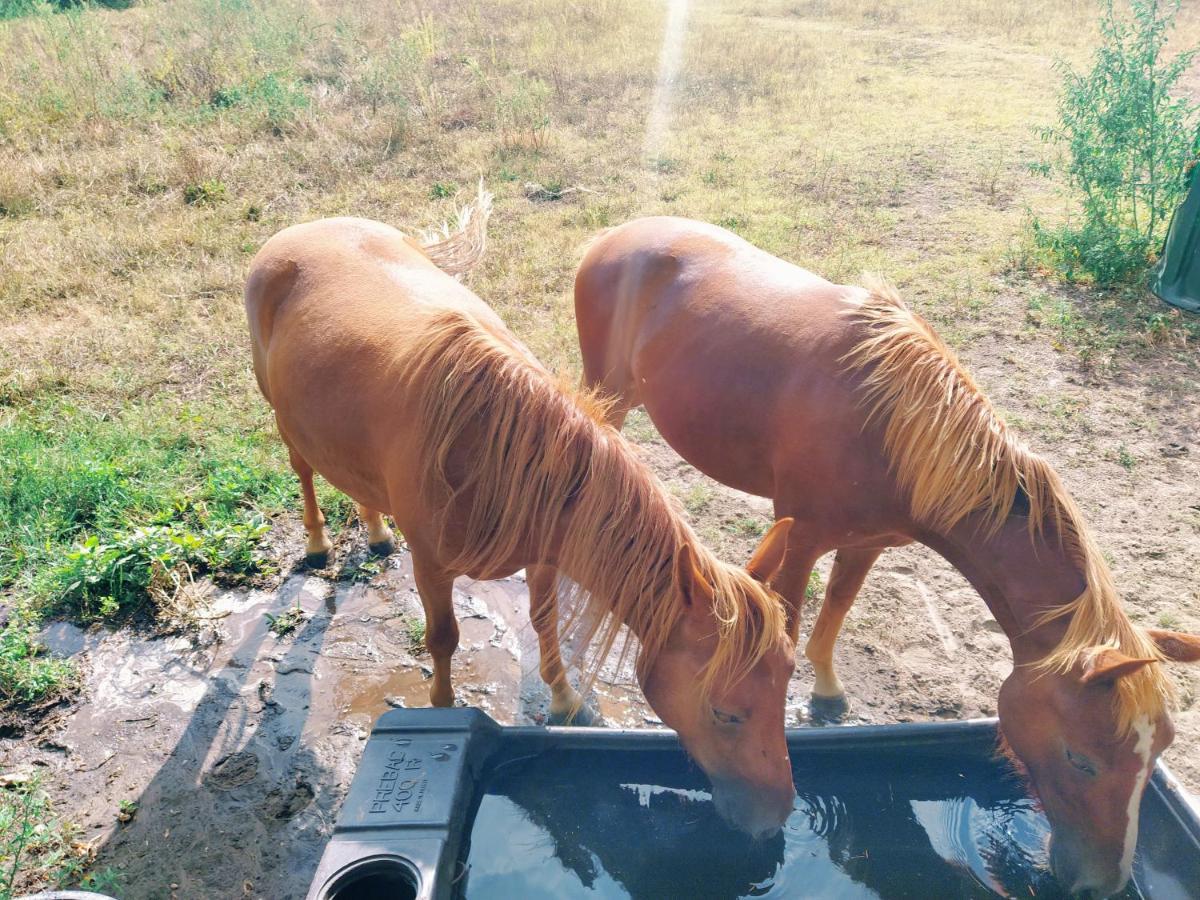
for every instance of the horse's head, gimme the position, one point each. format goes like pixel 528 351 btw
pixel 720 680
pixel 1089 774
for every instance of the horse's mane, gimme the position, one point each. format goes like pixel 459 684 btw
pixel 955 456
pixel 533 453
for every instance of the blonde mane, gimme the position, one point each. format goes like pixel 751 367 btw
pixel 955 456
pixel 536 462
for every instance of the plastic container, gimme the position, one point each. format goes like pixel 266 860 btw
pixel 887 811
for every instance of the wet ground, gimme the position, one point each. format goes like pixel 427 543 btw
pixel 239 745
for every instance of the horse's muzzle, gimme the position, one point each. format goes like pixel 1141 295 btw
pixel 757 810
pixel 1084 877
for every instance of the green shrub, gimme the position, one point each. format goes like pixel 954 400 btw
pixel 12 9
pixel 1125 143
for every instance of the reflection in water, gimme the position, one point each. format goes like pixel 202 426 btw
pixel 576 824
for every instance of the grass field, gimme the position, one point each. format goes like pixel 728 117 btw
pixel 145 155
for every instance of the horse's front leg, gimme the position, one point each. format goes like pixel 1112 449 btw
pixel 436 587
pixel 850 568
pixel 791 581
pixel 567 707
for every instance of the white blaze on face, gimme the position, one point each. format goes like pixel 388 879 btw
pixel 1144 729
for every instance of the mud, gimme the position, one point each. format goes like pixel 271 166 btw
pixel 238 745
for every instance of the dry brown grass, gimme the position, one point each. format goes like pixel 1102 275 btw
pixel 825 131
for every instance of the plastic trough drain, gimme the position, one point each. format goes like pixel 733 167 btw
pixel 378 879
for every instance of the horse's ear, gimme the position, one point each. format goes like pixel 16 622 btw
pixel 1107 665
pixel 697 592
pixel 1175 645
pixel 769 556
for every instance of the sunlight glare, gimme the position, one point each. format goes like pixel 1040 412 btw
pixel 668 67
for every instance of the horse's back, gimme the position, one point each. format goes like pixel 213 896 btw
pixel 336 309
pixel 704 268
pixel 346 287
pixel 723 343
pixel 340 269
pixel 699 288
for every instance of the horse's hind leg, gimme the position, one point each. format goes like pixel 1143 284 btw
pixel 379 537
pixel 317 545
pixel 436 587
pixel 850 568
pixel 566 706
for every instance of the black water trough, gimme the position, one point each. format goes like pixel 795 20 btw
pixel 446 803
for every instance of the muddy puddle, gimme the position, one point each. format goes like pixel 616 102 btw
pixel 238 745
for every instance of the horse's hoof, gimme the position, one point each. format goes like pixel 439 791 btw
pixel 583 717
pixel 827 710
pixel 382 548
pixel 317 560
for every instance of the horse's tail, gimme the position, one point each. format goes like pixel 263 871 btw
pixel 457 251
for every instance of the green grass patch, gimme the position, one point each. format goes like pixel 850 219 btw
pixel 96 510
pixel 28 675
pixel 415 629
pixel 360 571
pixel 228 58
pixel 814 589
pixel 102 579
pixel 286 622
pixel 747 526
pixel 697 498
pixel 209 192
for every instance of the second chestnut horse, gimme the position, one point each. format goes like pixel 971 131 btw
pixel 845 408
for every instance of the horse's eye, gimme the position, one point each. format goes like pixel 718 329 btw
pixel 726 718
pixel 1082 763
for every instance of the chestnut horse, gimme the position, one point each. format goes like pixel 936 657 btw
pixel 406 391
pixel 846 409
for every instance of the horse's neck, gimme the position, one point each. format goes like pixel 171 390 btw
pixel 1019 577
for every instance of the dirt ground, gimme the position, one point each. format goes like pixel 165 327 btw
pixel 238 745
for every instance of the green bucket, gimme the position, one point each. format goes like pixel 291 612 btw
pixel 1176 277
